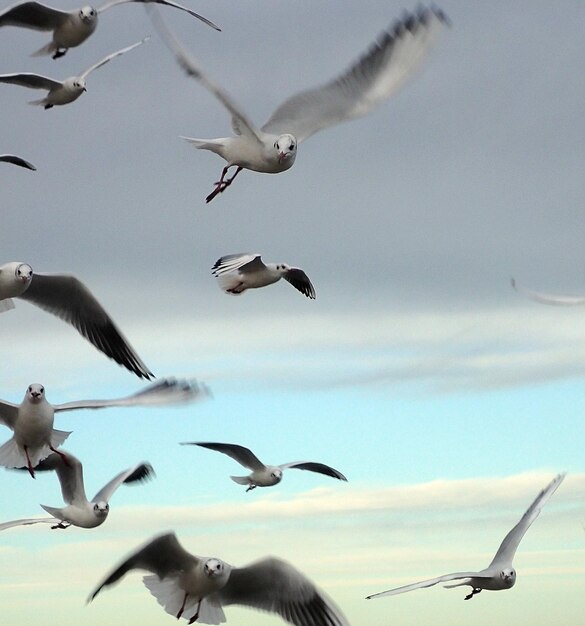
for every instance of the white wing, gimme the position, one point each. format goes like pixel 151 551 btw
pixel 68 298
pixel 275 586
pixel 8 413
pixel 547 298
pixel 242 455
pixel 312 466
pixel 138 473
pixel 33 81
pixel 246 263
pixel 505 554
pixel 426 583
pixel 16 160
pixel 112 56
pixel 167 3
pixel 33 15
pixel 367 83
pixel 70 476
pixel 27 522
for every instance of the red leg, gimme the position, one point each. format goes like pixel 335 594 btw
pixel 63 456
pixel 196 616
pixel 28 463
pixel 221 185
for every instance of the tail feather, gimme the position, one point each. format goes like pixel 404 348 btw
pixel 215 145
pixel 45 50
pixel 58 437
pixel 241 480
pixel 40 101
pixel 11 455
pixel 229 282
pixel 51 510
pixel 6 305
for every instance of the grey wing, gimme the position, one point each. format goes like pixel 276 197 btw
pixel 505 554
pixel 275 586
pixel 8 413
pixel 427 583
pixel 33 15
pixel 244 262
pixel 167 3
pixel 70 474
pixel 299 280
pixel 27 522
pixel 242 455
pixel 16 160
pixel 161 556
pixel 68 298
pixel 163 392
pixel 311 466
pixel 139 473
pixel 113 56
pixel 367 83
pixel 192 68
pixel 33 81
pixel 547 298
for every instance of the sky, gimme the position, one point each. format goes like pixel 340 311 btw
pixel 447 399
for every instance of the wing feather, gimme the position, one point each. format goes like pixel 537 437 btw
pixel 426 583
pixel 242 455
pixel 138 473
pixel 33 81
pixel 312 466
pixel 300 281
pixel 16 160
pixel 33 15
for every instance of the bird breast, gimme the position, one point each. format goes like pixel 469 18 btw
pixel 73 31
pixel 197 584
pixel 264 478
pixel 34 425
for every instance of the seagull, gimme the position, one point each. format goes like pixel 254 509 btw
pixel 263 475
pixel 500 573
pixel 61 92
pixel 32 420
pixel 68 298
pixel 237 272
pixel 361 88
pixel 80 511
pixel 197 588
pixel 547 298
pixel 16 160
pixel 70 28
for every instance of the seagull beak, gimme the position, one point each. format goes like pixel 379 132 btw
pixel 281 157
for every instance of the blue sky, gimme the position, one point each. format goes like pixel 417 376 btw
pixel 446 398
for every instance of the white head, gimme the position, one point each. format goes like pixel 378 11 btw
pixel 23 273
pixel 282 268
pixel 286 147
pixel 276 473
pixel 35 393
pixel 213 568
pixel 87 14
pixel 77 83
pixel 101 509
pixel 508 575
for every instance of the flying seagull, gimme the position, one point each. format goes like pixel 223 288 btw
pixel 70 28
pixel 263 475
pixel 68 298
pixel 547 298
pixel 61 92
pixel 237 272
pixel 500 573
pixel 16 160
pixel 362 87
pixel 32 420
pixel 79 510
pixel 197 588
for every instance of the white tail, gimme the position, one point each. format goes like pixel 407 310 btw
pixel 241 480
pixel 6 305
pixel 45 50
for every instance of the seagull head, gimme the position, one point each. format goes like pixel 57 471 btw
pixel 282 268
pixel 101 509
pixel 508 576
pixel 213 568
pixel 35 392
pixel 87 14
pixel 24 273
pixel 286 147
pixel 79 83
pixel 276 473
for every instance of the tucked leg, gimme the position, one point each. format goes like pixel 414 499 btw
pixel 29 466
pixel 252 486
pixel 222 184
pixel 473 592
pixel 60 52
pixel 196 616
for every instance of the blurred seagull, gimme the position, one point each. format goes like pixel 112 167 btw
pixel 361 88
pixel 547 298
pixel 32 420
pixel 80 511
pixel 197 588
pixel 61 92
pixel 68 298
pixel 70 28
pixel 16 160
pixel 500 573
pixel 237 272
pixel 263 475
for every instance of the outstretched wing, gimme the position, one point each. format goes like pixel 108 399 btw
pixel 28 522
pixel 299 280
pixel 68 298
pixel 246 262
pixel 311 466
pixel 139 473
pixel 8 413
pixel 547 298
pixel 367 83
pixel 33 15
pixel 242 455
pixel 505 554
pixel 16 160
pixel 70 474
pixel 32 81
pixel 112 56
pixel 161 556
pixel 275 586
pixel 426 583
pixel 163 392
pixel 167 3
